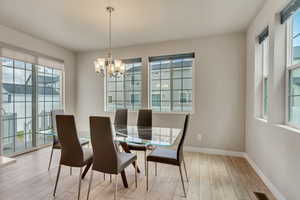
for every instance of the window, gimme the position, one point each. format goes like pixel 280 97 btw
pixel 264 67
pixel 293 70
pixel 125 91
pixel 17 105
pixel 49 92
pixel 29 93
pixel 171 84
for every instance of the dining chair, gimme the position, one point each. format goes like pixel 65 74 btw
pixel 170 156
pixel 55 143
pixel 72 153
pixel 144 120
pixel 106 157
pixel 121 117
pixel 144 117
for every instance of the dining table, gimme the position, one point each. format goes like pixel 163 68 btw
pixel 139 135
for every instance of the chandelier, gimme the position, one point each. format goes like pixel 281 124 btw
pixel 110 66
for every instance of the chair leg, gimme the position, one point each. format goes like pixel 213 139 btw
pixel 50 158
pixel 104 176
pixel 156 169
pixel 147 176
pixel 71 171
pixel 90 185
pixel 110 178
pixel 79 185
pixel 57 177
pixel 182 181
pixel 145 156
pixel 116 187
pixel 135 173
pixel 187 179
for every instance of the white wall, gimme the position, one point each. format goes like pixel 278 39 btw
pixel 219 87
pixel 274 148
pixel 26 42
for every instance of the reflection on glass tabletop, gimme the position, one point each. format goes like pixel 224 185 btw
pixel 157 136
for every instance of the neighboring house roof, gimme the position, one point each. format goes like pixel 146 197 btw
pixel 133 69
pixel 47 79
pixel 158 66
pixel 21 89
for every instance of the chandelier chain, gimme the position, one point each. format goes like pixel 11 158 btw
pixel 109 66
pixel 110 51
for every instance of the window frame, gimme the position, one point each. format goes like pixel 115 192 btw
pixel 124 96
pixel 288 68
pixel 264 64
pixel 149 90
pixel 34 102
pixel 44 101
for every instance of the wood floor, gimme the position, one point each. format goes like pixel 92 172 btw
pixel 211 178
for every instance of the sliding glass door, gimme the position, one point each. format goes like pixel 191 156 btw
pixel 17 106
pixel 49 98
pixel 24 121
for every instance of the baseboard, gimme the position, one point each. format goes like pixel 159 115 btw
pixel 4 161
pixel 265 179
pixel 267 182
pixel 214 151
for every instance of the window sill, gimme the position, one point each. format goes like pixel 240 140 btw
pixel 288 127
pixel 174 113
pixel 167 113
pixel 261 119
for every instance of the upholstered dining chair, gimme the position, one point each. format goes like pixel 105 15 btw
pixel 171 157
pixel 144 117
pixel 106 157
pixel 55 143
pixel 72 153
pixel 144 120
pixel 121 117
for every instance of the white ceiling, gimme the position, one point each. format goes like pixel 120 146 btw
pixel 82 25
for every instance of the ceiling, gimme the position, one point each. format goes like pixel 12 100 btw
pixel 82 25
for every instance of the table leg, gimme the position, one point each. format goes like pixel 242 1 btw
pixel 86 169
pixel 127 150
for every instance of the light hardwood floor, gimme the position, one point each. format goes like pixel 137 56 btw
pixel 211 178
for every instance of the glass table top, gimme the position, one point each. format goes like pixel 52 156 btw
pixel 157 136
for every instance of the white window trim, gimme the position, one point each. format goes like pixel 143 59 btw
pixel 260 66
pixel 62 99
pixel 146 93
pixel 289 67
pixel 105 89
pixel 193 90
pixel 264 44
pixel 35 59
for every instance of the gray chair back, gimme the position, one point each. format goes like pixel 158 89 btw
pixel 144 117
pixel 104 149
pixel 121 117
pixel 180 145
pixel 71 151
